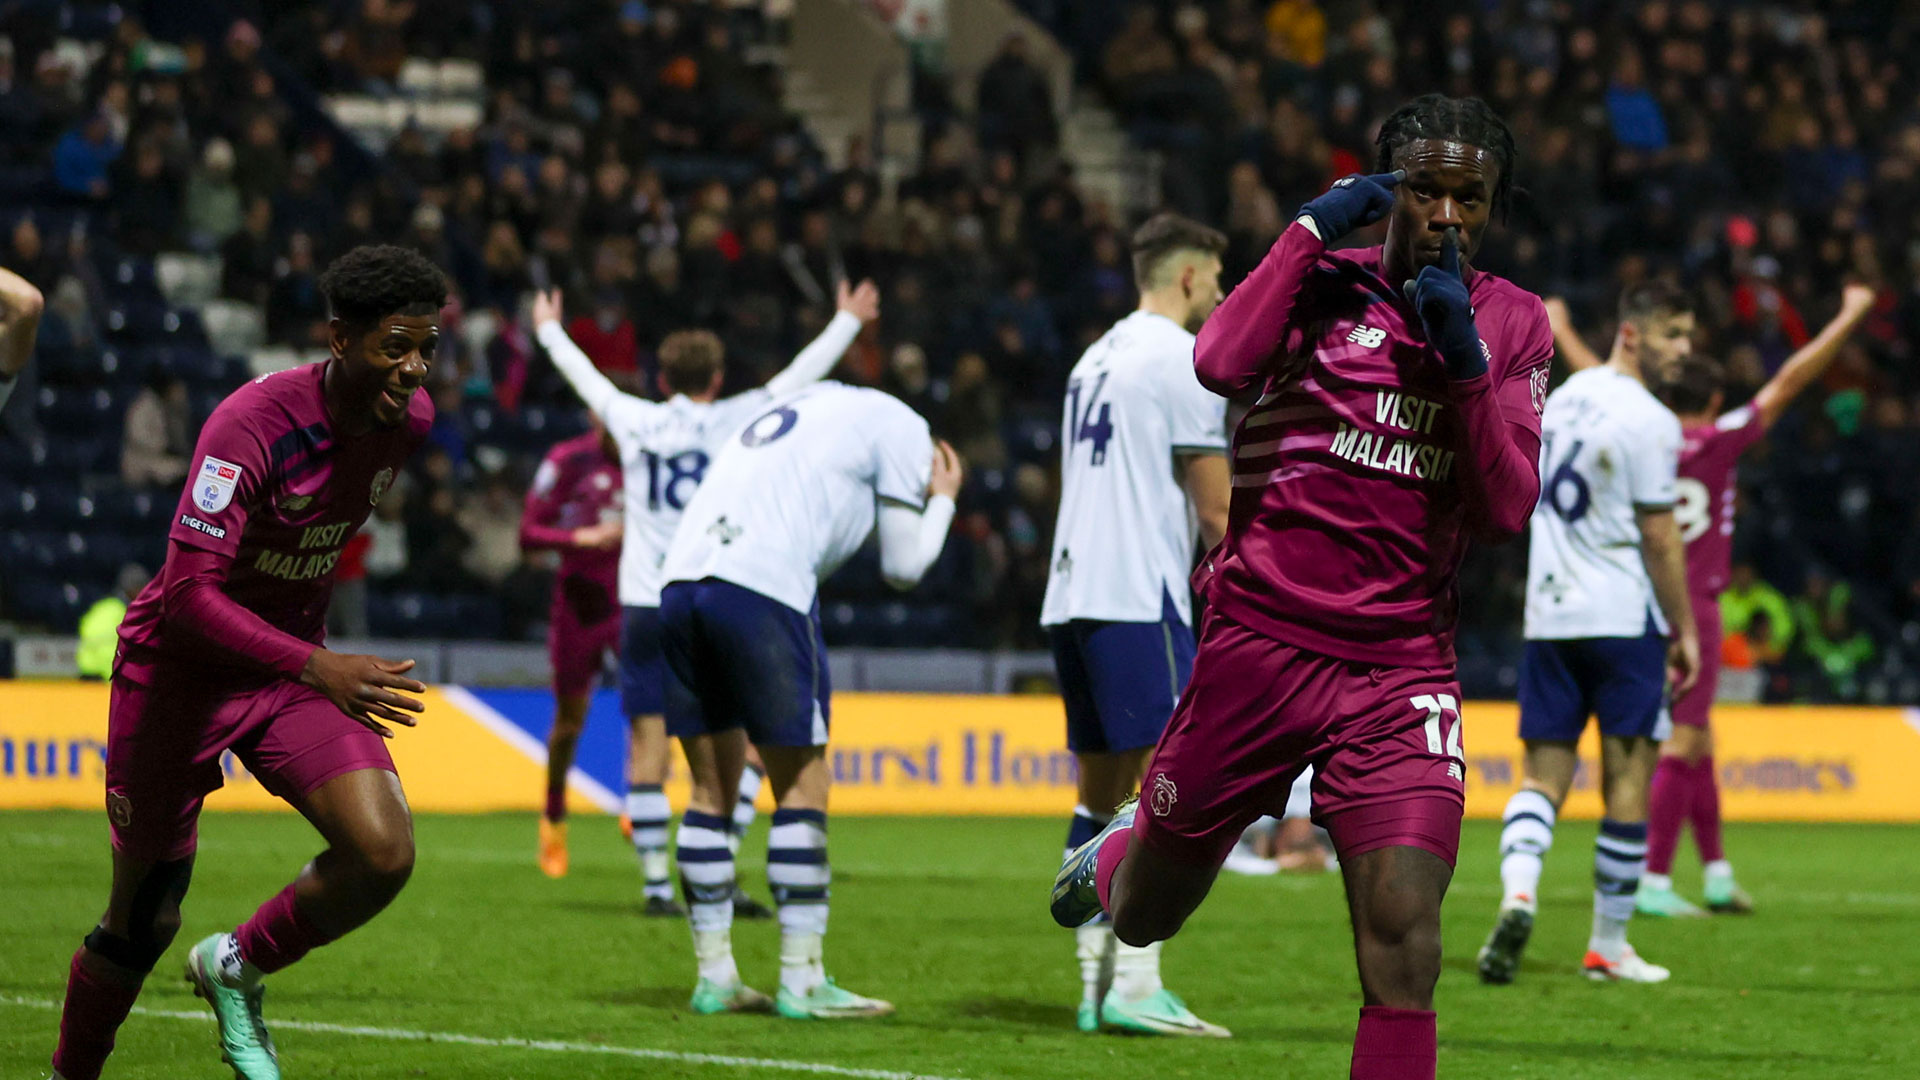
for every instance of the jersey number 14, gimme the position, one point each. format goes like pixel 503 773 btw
pixel 1081 425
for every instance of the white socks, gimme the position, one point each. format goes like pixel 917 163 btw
pixel 1094 944
pixel 648 811
pixel 1619 858
pixel 1526 835
pixel 1136 971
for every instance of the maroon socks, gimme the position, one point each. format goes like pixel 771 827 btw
pixel 94 1011
pixel 1395 1044
pixel 278 934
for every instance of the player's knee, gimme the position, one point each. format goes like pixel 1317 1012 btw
pixel 141 947
pixel 387 861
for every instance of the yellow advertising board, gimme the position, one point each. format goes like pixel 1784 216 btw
pixel 962 754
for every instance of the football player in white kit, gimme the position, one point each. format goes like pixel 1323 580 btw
pixel 1143 469
pixel 789 498
pixel 1609 628
pixel 665 448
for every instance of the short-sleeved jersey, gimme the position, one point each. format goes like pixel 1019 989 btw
pixel 797 490
pixel 272 485
pixel 576 486
pixel 1608 449
pixel 665 451
pixel 1349 517
pixel 1125 533
pixel 1709 454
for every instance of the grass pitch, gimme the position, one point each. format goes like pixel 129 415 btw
pixel 947 918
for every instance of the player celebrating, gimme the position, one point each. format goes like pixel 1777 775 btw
pixel 1684 784
pixel 795 493
pixel 1143 456
pixel 1398 411
pixel 665 448
pixel 1608 626
pixel 222 652
pixel 20 307
pixel 573 507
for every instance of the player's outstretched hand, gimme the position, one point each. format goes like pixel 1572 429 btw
pixel 1439 296
pixel 602 536
pixel 366 687
pixel 1856 299
pixel 1559 316
pixel 862 301
pixel 1353 202
pixel 948 470
pixel 546 307
pixel 1683 664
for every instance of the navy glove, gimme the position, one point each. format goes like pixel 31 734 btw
pixel 1439 296
pixel 1353 202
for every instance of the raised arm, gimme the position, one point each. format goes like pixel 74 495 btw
pixel 911 538
pixel 595 389
pixel 1573 349
pixel 1235 350
pixel 20 308
pixel 855 307
pixel 1814 358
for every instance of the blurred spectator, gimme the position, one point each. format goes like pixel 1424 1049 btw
pixel 492 519
pixel 347 612
pixel 386 532
pixel 1014 106
pixel 155 441
pixel 296 309
pixel 1839 650
pixel 1747 595
pixel 83 156
pixel 146 202
pixel 100 624
pixel 214 210
pixel 249 255
pixel 606 334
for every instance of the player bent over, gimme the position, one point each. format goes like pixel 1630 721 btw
pixel 785 503
pixel 665 448
pixel 1685 786
pixel 1608 627
pixel 1398 413
pixel 1143 467
pixel 222 652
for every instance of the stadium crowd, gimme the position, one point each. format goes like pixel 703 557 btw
pixel 636 155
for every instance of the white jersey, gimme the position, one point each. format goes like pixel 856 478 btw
pixel 1607 447
pixel 1125 535
pixel 666 447
pixel 796 492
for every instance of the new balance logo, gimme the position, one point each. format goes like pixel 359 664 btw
pixel 1367 336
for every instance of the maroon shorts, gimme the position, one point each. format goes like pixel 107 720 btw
pixel 580 634
pixel 165 738
pixel 1384 743
pixel 1693 709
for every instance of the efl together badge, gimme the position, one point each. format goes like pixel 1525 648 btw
pixel 213 488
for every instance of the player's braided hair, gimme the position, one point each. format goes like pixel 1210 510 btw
pixel 1463 120
pixel 377 280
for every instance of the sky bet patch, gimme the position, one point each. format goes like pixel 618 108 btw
pixel 213 488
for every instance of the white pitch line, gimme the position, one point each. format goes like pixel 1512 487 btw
pixel 548 1045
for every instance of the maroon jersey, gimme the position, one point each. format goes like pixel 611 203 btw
pixel 578 485
pixel 274 494
pixel 1362 468
pixel 1705 496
